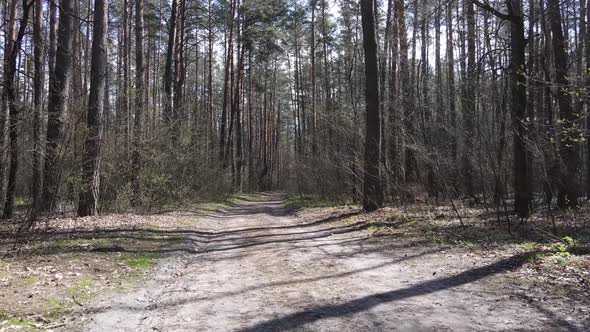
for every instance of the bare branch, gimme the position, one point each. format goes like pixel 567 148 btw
pixel 487 7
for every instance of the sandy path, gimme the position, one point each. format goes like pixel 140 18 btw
pixel 255 268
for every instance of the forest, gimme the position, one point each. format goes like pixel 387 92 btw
pixel 145 136
pixel 164 102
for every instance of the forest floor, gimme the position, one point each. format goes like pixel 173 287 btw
pixel 260 263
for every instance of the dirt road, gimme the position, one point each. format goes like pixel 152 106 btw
pixel 254 267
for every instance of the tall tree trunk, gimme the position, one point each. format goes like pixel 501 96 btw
pixel 226 86
pixel 56 107
pixel 407 94
pixel 587 41
pixel 518 85
pixel 52 38
pixel 169 75
pixel 211 120
pixel 383 80
pixel 76 81
pixel 518 104
pixel 139 102
pixel 314 144
pixel 9 96
pixel 327 85
pixel 251 135
pixel 469 102
pixel 179 61
pixel 123 115
pixel 88 204
pixel 9 40
pixel 425 110
pixel 451 84
pixel 568 146
pixel 393 115
pixel 549 150
pixel 438 70
pixel 580 55
pixel 36 184
pixel 237 102
pixel 238 105
pixel 373 191
pixel 229 152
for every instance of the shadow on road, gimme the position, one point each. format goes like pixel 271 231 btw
pixel 193 241
pixel 298 319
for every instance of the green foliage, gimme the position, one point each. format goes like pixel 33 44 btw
pixel 567 247
pixel 571 242
pixel 559 249
pixel 22 201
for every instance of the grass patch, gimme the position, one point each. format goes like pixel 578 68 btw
pixel 86 283
pixel 27 281
pixel 84 291
pixel 560 251
pixel 141 262
pixel 16 322
pixel 57 308
pixel 376 227
pixel 438 232
pixel 90 243
pixel 567 247
pixel 529 246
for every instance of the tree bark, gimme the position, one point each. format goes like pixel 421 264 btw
pixel 587 41
pixel 237 103
pixel 226 86
pixel 36 184
pixel 469 102
pixel 56 107
pixel 179 62
pixel 9 39
pixel 139 103
pixel 569 133
pixel 169 76
pixel 9 97
pixel 373 191
pixel 518 85
pixel 211 122
pixel 52 37
pixel 88 204
pixel 314 138
pixel 123 112
pixel 407 94
pixel 451 84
